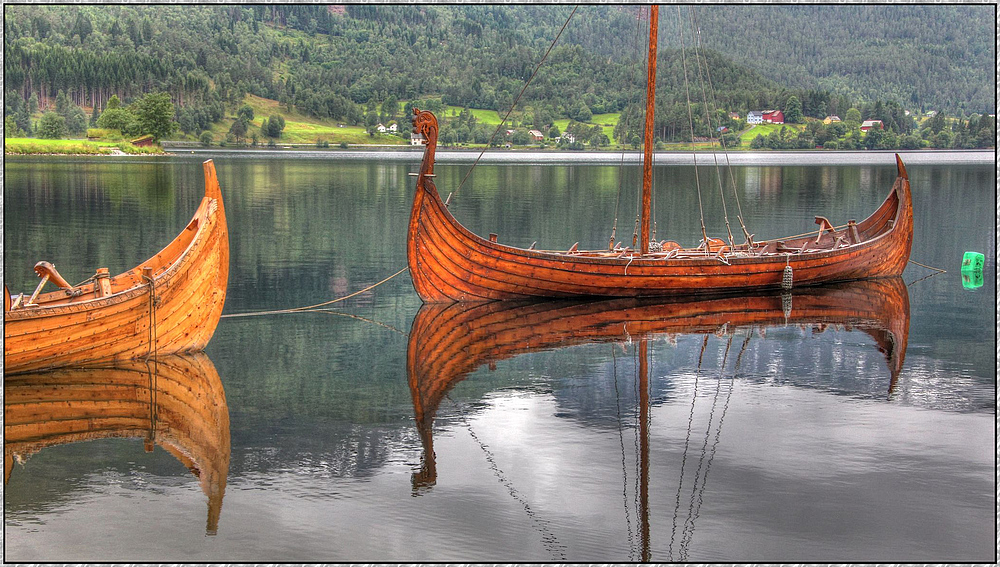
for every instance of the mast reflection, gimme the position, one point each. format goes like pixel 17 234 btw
pixel 447 342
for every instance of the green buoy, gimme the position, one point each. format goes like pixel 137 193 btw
pixel 972 279
pixel 973 261
pixel 972 270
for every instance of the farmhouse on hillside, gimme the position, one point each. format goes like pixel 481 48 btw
pixel 869 124
pixel 774 117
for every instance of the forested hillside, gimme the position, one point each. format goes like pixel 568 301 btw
pixel 925 57
pixel 337 62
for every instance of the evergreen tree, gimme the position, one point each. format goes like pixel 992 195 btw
pixel 793 110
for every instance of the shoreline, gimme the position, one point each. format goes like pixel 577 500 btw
pixel 604 157
pixel 632 157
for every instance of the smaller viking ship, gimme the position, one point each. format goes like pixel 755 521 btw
pixel 176 402
pixel 168 304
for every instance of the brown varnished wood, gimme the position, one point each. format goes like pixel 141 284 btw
pixel 175 401
pixel 450 263
pixel 189 278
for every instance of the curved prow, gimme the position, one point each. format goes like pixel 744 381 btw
pixel 901 168
pixel 426 124
pixel 212 190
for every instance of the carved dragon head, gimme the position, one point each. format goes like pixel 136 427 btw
pixel 425 123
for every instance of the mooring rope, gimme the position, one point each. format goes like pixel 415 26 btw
pixel 928 267
pixel 312 307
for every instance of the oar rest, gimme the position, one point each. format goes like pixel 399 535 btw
pixel 824 225
pixel 47 272
pixel 45 269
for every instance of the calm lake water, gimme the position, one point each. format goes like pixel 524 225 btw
pixel 845 424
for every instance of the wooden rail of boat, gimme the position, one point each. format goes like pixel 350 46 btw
pixel 450 263
pixel 113 318
pixel 176 402
pixel 449 341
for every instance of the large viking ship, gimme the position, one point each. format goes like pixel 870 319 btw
pixel 168 304
pixel 450 263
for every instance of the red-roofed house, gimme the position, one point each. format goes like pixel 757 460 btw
pixel 869 124
pixel 774 117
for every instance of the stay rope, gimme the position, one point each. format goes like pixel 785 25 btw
pixel 722 141
pixel 708 120
pixel 625 130
pixel 514 104
pixel 694 155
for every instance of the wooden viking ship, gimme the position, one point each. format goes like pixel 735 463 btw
pixel 168 304
pixel 450 263
pixel 447 342
pixel 176 402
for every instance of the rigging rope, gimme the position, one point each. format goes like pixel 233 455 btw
pixel 694 155
pixel 687 440
pixel 516 99
pixel 722 141
pixel 708 120
pixel 625 130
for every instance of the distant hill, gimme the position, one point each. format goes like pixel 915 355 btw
pixel 337 62
pixel 925 57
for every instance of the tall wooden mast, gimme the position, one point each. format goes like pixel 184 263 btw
pixel 647 162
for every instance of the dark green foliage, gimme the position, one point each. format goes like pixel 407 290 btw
pixel 275 124
pixel 10 128
pixel 245 113
pixel 154 113
pixel 52 125
pixel 329 65
pixel 793 110
pixel 205 138
pixel 118 119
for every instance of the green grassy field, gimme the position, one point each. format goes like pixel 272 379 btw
pixel 749 134
pixel 40 146
pixel 301 129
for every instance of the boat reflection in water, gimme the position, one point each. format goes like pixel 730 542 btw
pixel 176 402
pixel 447 342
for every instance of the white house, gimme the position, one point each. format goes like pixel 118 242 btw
pixel 755 117
pixel 380 128
pixel 393 128
pixel 417 139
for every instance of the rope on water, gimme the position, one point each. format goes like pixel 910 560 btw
pixel 310 307
pixel 928 267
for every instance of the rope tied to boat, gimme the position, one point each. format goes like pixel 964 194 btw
pixel 314 307
pixel 147 276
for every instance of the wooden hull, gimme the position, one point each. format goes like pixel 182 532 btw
pixel 129 320
pixel 176 402
pixel 450 263
pixel 449 341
